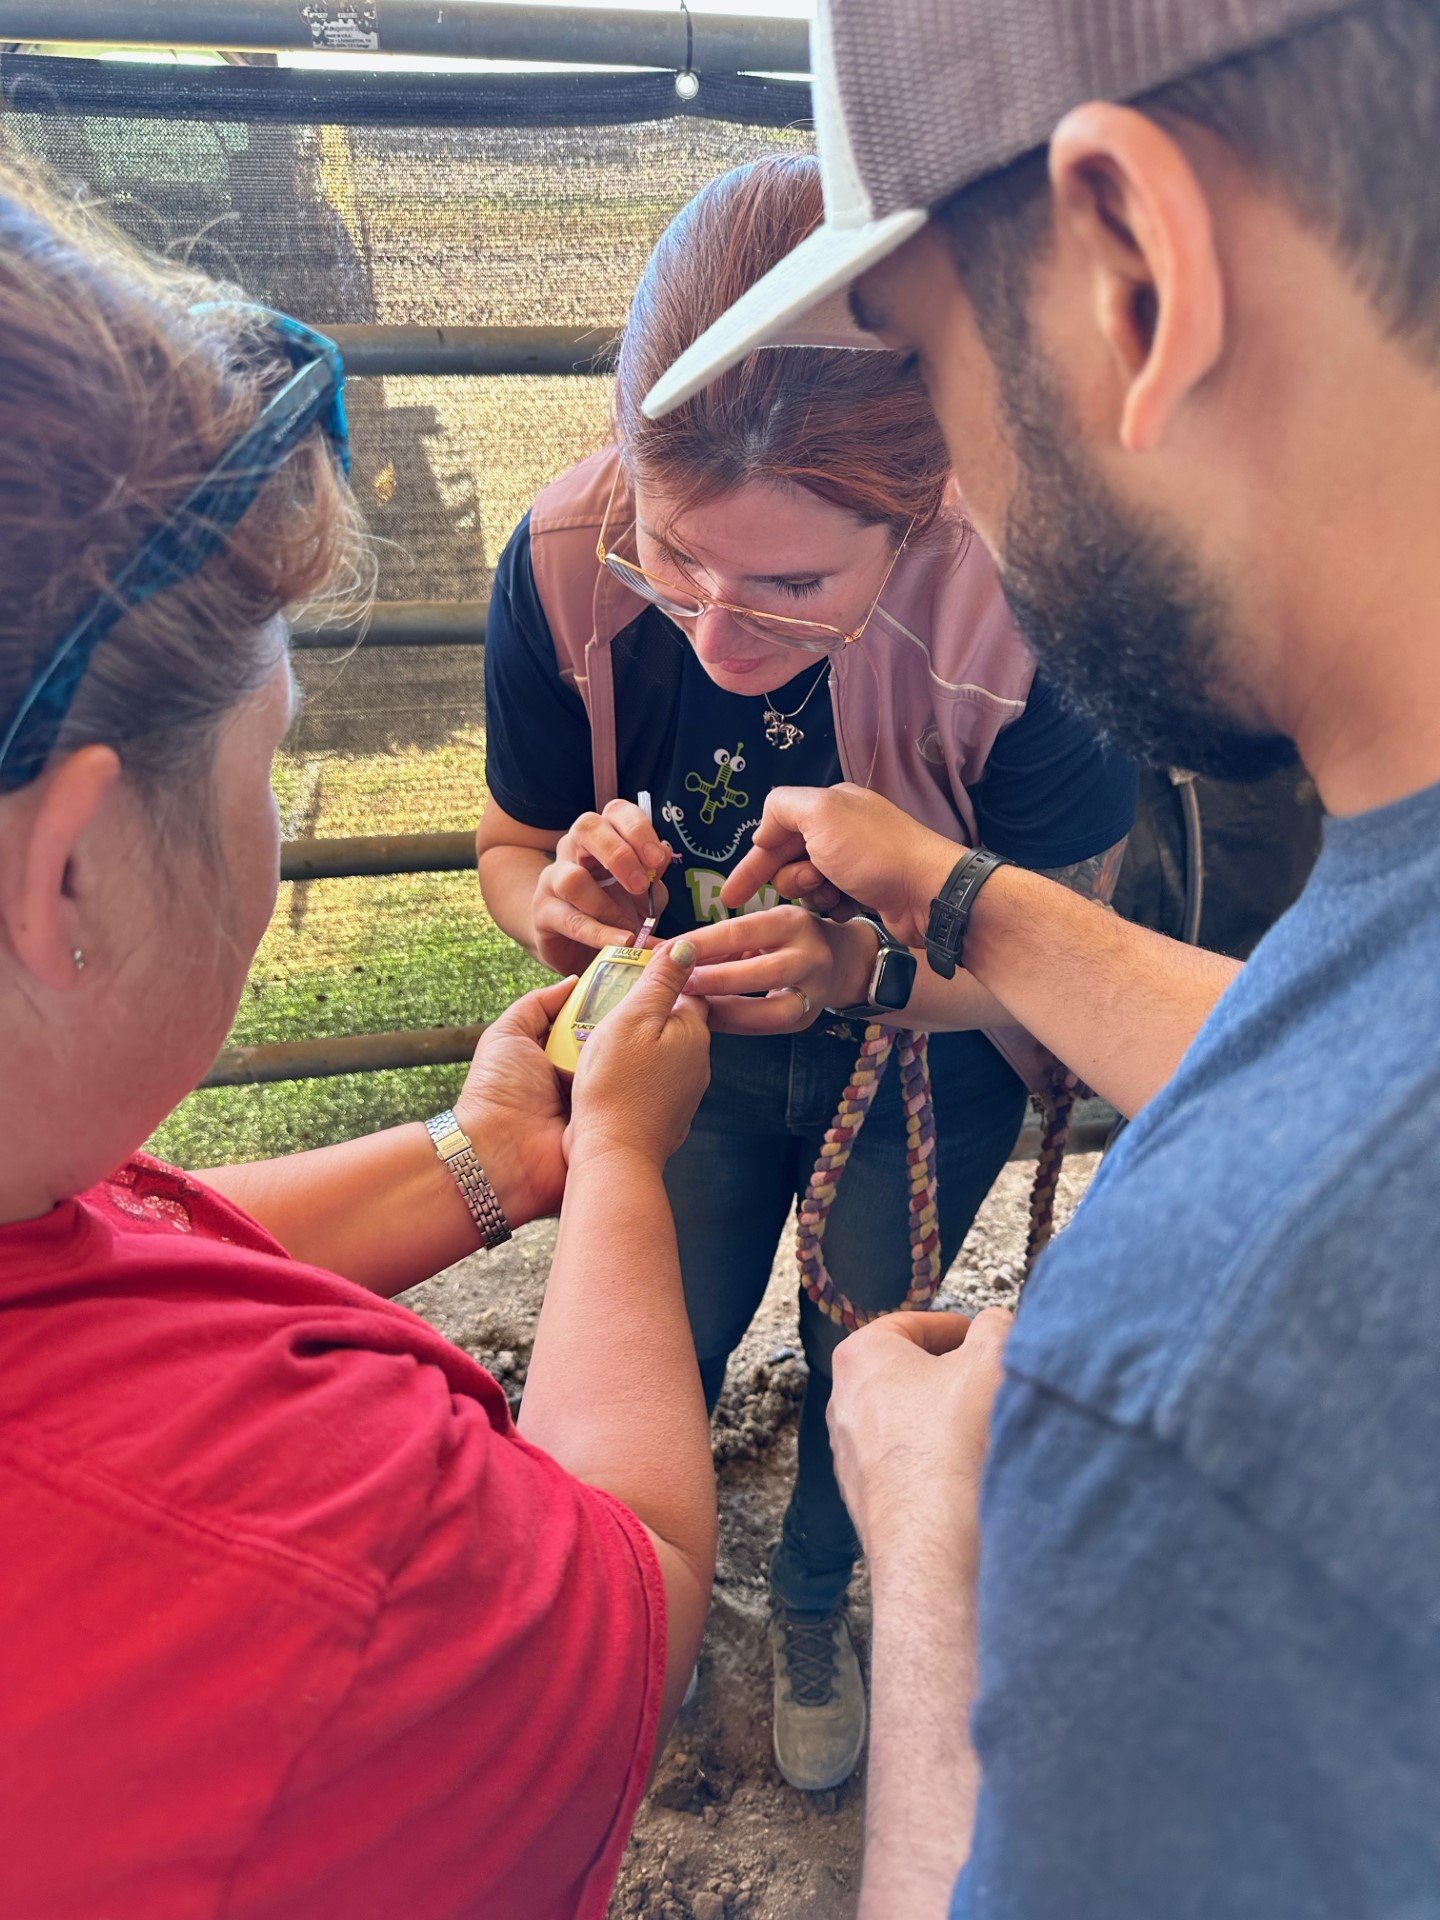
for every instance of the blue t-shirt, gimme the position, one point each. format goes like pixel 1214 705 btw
pixel 1210 1577
pixel 1051 795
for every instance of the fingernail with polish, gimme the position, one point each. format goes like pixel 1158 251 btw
pixel 683 953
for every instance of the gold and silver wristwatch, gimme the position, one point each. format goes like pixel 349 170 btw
pixel 452 1144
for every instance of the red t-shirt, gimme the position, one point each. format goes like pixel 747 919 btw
pixel 292 1621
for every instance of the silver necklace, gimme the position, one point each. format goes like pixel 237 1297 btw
pixel 780 728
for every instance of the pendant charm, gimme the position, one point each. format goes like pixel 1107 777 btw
pixel 780 732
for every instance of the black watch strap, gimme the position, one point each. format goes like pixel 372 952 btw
pixel 951 908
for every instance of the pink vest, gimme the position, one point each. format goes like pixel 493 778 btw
pixel 918 702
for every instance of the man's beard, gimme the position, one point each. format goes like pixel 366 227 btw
pixel 1116 615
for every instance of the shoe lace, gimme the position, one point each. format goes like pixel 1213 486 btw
pixel 810 1659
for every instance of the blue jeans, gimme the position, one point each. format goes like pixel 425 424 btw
pixel 749 1156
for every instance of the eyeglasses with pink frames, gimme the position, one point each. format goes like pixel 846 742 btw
pixel 809 636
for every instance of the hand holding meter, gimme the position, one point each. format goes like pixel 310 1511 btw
pixel 644 1068
pixel 603 985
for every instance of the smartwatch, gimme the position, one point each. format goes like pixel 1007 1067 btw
pixel 892 978
pixel 951 908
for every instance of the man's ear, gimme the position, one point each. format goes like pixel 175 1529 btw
pixel 1126 193
pixel 47 910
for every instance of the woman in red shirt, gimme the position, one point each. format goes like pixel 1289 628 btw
pixel 294 1621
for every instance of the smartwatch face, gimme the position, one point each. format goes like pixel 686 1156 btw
pixel 894 979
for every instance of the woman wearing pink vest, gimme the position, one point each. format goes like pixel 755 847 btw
pixel 774 585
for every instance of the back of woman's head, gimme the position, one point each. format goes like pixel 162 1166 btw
pixel 854 427
pixel 117 398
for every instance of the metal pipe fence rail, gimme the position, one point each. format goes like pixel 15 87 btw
pixel 400 623
pixel 472 351
pixel 560 36
pixel 364 855
pixel 345 1053
pixel 463 353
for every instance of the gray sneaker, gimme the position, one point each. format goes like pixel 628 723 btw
pixel 819 1697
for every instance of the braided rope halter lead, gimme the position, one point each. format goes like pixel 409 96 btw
pixel 855 1104
pixel 1056 1103
pixel 917 1094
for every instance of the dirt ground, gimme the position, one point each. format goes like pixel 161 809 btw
pixel 720 1836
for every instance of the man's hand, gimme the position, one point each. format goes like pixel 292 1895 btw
pixel 909 1425
pixel 825 846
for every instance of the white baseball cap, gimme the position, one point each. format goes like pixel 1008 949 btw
pixel 915 99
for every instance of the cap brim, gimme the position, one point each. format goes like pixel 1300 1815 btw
pixel 792 306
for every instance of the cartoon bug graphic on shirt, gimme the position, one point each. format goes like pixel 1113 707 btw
pixel 719 792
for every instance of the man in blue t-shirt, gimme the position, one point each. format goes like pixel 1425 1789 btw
pixel 1179 1653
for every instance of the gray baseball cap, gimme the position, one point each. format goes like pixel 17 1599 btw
pixel 915 99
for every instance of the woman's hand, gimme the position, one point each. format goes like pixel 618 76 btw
pixel 593 893
pixel 643 1070
pixel 513 1107
pixel 801 964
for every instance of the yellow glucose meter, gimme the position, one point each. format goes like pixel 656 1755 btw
pixel 598 991
pixel 603 985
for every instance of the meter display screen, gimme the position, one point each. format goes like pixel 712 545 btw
pixel 611 982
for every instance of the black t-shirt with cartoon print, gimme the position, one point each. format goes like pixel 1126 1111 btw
pixel 1051 794
pixel 710 785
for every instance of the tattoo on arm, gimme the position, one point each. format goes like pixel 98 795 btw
pixel 1093 878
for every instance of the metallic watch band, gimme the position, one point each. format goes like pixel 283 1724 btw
pixel 452 1144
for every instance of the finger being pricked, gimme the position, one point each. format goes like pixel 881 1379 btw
pixel 753 973
pixel 760 952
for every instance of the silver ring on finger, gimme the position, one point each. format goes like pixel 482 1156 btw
pixel 805 1003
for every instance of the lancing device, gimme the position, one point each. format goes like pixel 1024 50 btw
pixel 604 983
